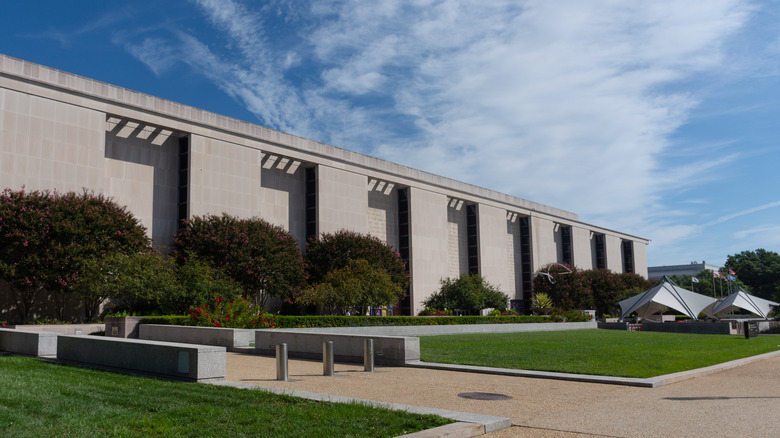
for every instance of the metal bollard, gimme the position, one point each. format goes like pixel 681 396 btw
pixel 327 358
pixel 281 362
pixel 368 355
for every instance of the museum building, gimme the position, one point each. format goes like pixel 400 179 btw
pixel 168 162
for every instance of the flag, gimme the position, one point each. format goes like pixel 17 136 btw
pixel 694 280
pixel 717 275
pixel 731 272
pixel 731 278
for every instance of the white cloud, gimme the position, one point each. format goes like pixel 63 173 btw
pixel 565 103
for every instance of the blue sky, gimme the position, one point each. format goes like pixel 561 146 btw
pixel 656 118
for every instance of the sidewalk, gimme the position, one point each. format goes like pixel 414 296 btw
pixel 739 401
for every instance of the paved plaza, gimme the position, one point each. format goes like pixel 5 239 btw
pixel 741 401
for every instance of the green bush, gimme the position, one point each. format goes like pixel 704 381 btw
pixel 334 251
pixel 572 315
pixel 305 321
pixel 469 292
pixel 358 285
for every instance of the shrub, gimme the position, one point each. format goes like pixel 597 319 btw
pixel 358 285
pixel 469 292
pixel 572 315
pixel 142 283
pixel 233 313
pixel 334 251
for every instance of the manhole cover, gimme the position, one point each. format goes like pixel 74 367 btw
pixel 484 396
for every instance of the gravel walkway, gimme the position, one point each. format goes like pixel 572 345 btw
pixel 742 401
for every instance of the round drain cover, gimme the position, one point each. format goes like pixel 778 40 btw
pixel 484 396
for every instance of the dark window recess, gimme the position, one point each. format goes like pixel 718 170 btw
pixel 311 202
pixel 566 255
pixel 182 205
pixel 525 261
pixel 473 241
pixel 403 245
pixel 628 257
pixel 601 251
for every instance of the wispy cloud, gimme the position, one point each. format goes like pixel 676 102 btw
pixel 744 213
pixel 566 103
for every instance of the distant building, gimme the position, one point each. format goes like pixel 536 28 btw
pixel 693 268
pixel 168 162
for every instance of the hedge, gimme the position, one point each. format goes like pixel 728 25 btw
pixel 289 321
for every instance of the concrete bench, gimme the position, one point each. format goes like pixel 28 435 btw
pixel 388 350
pixel 162 359
pixel 229 338
pixel 41 344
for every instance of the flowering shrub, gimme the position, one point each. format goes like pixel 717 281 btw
pixel 47 237
pixel 233 313
pixel 262 258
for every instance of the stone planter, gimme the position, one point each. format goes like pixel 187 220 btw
pixel 123 326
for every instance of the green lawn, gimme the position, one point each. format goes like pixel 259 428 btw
pixel 40 399
pixel 600 352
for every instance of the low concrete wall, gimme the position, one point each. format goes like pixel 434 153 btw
pixel 428 330
pixel 229 338
pixel 62 329
pixel 29 343
pixel 388 350
pixel 162 359
pixel 703 328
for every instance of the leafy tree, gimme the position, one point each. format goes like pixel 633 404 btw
pixel 565 285
pixel 469 292
pixel 599 289
pixel 759 269
pixel 263 258
pixel 142 282
pixel 46 238
pixel 25 237
pixel 150 283
pixel 358 285
pixel 334 251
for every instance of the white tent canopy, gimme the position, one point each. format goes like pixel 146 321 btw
pixel 743 300
pixel 666 294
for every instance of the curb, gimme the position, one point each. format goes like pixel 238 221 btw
pixel 651 382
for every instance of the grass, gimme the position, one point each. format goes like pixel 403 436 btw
pixel 599 352
pixel 39 398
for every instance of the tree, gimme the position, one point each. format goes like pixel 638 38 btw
pixel 358 285
pixel 263 258
pixel 150 282
pixel 25 235
pixel 599 289
pixel 46 238
pixel 140 282
pixel 759 269
pixel 565 285
pixel 85 227
pixel 334 251
pixel 469 292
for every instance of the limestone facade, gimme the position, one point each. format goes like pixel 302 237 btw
pixel 168 162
